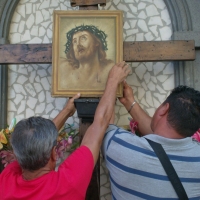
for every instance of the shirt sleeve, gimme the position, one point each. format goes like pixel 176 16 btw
pixel 107 138
pixel 78 167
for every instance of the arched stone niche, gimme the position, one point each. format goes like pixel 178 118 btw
pixel 185 24
pixel 184 15
pixel 7 8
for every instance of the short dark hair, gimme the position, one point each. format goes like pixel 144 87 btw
pixel 32 141
pixel 184 110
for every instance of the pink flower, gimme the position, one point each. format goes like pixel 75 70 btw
pixel 133 125
pixel 196 135
pixel 7 157
pixel 69 140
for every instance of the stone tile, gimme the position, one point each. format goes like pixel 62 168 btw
pixel 160 97
pixel 14 28
pixel 149 99
pixel 39 17
pixel 30 89
pixel 169 83
pixel 21 79
pixel 41 96
pixel 122 7
pixel 28 8
pixel 16 17
pixel 165 33
pixel 31 102
pixel 44 4
pixel 154 30
pixel 21 26
pixel 45 83
pixel 30 21
pixel 139 36
pixel 133 80
pixel 148 37
pixel 162 78
pixel 34 31
pixel 142 15
pixel 21 10
pixel 151 10
pixel 11 93
pixel 49 108
pixel 158 67
pixel 151 86
pixel 141 93
pixel 60 103
pixel 21 107
pixel 169 69
pixel 155 21
pixel 140 71
pixel 103 179
pixel 142 25
pixel 150 111
pixel 141 6
pixel 29 113
pixel 40 108
pixel 11 106
pixel 159 4
pixel 19 89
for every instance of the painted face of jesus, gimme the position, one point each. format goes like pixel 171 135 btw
pixel 83 45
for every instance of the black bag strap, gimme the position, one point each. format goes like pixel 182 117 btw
pixel 169 169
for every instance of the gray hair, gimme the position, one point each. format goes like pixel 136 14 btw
pixel 32 141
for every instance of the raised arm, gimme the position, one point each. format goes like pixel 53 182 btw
pixel 95 133
pixel 136 112
pixel 67 112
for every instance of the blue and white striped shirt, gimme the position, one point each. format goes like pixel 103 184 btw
pixel 136 172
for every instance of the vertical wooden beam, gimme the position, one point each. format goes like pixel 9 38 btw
pixel 93 191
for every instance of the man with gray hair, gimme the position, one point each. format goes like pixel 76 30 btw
pixel 33 175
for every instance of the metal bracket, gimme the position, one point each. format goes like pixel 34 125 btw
pixel 86 108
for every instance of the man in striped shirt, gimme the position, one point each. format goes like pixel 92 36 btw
pixel 135 170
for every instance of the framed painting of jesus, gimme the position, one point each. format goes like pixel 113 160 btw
pixel 86 44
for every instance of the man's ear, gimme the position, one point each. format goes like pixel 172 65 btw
pixel 164 109
pixel 53 154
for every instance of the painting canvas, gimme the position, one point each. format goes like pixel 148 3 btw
pixel 86 44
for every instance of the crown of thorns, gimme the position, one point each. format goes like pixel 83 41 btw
pixel 90 28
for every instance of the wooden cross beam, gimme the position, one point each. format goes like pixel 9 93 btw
pixel 132 52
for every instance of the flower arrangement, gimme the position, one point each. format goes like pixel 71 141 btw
pixel 6 154
pixel 67 141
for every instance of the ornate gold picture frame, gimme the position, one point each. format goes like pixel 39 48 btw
pixel 86 44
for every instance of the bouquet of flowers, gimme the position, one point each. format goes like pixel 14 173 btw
pixel 6 153
pixel 67 140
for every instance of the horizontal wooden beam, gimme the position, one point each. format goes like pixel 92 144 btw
pixel 133 52
pixel 87 2
pixel 159 51
pixel 25 53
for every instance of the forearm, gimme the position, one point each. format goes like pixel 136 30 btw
pixel 144 120
pixel 61 118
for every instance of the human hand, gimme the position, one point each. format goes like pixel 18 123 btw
pixel 128 97
pixel 70 107
pixel 119 72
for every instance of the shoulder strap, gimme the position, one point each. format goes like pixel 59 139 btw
pixel 169 169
